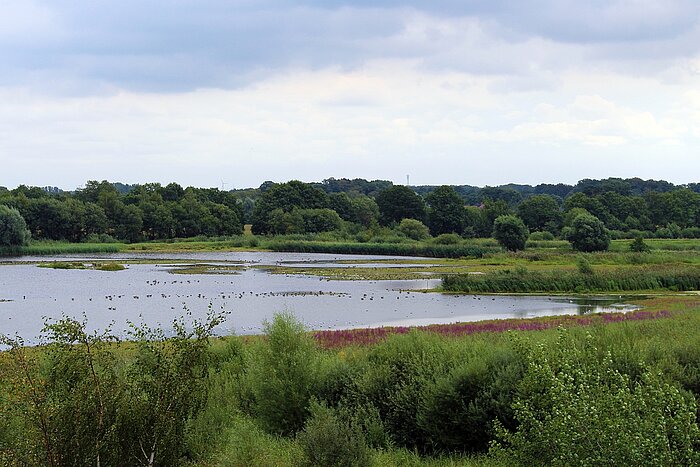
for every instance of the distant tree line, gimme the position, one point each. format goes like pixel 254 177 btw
pixel 144 212
pixel 620 207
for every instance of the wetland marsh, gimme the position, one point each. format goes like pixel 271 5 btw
pixel 252 286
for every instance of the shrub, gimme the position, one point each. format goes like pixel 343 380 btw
pixel 583 266
pixel 329 441
pixel 576 408
pixel 638 245
pixel 413 229
pixel 458 411
pixel 544 235
pixel 447 239
pixel 86 404
pixel 285 376
pixel 511 232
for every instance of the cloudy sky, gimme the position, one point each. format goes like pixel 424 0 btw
pixel 480 92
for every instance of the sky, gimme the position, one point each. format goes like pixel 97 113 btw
pixel 231 93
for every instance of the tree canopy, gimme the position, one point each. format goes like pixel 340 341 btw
pixel 399 202
pixel 446 213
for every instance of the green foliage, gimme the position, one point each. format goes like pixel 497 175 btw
pixel 320 220
pixel 446 213
pixel 638 245
pixel 395 382
pixel 85 403
pixel 576 408
pixel 541 236
pixel 447 239
pixel 540 213
pixel 329 441
pixel 588 233
pixel 583 266
pixel 459 409
pixel 402 249
pixel 285 197
pixel 679 278
pixel 284 376
pixel 413 229
pixel 435 396
pixel 511 232
pixel 13 229
pixel 399 202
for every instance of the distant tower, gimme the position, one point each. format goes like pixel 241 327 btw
pixel 407 180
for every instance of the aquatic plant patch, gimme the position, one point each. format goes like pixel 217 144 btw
pixel 368 336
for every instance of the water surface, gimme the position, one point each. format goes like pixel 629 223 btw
pixel 150 293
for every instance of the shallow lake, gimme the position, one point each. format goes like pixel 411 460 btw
pixel 150 293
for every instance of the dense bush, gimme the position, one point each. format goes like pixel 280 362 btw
pixel 576 408
pixel 419 391
pixel 285 376
pixel 401 249
pixel 85 403
pixel 447 239
pixel 459 409
pixel 413 229
pixel 328 440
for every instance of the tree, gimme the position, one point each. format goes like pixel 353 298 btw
pixel 511 232
pixel 364 210
pixel 399 202
pixel 13 229
pixel 342 204
pixel 446 214
pixel 588 233
pixel 540 212
pixel 287 197
pixel 320 220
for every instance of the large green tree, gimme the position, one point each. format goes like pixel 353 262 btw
pixel 13 229
pixel 286 197
pixel 446 213
pixel 588 233
pixel 511 232
pixel 541 212
pixel 399 202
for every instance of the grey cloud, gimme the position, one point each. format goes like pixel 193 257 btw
pixel 182 45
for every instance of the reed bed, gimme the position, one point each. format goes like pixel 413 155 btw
pixel 630 279
pixel 391 249
pixel 58 248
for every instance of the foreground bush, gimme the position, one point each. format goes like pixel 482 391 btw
pixel 284 377
pixel 576 408
pixel 331 442
pixel 82 402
